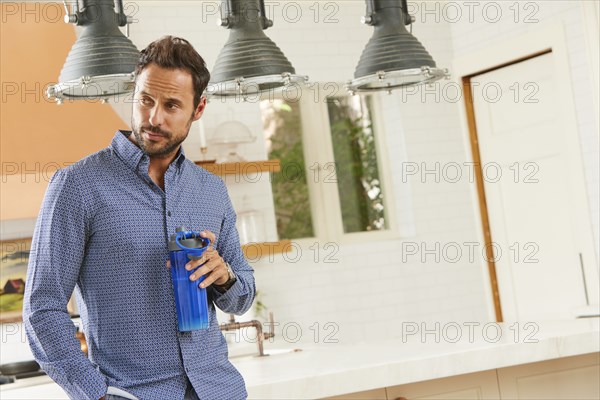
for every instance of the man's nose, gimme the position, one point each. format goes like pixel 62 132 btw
pixel 156 116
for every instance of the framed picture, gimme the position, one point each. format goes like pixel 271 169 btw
pixel 14 257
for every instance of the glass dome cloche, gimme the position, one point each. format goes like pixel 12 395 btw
pixel 230 134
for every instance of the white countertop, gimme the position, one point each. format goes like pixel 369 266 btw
pixel 329 369
pixel 332 369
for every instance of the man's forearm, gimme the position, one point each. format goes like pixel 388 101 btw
pixel 57 252
pixel 51 336
pixel 239 297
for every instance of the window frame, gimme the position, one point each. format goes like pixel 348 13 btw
pixel 323 193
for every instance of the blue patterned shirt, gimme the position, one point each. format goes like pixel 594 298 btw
pixel 103 230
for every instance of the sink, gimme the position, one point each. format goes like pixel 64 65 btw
pixel 253 353
pixel 273 352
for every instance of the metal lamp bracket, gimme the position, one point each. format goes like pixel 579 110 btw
pixel 228 15
pixel 408 19
pixel 72 17
pixel 369 18
pixel 77 16
pixel 265 21
pixel 122 18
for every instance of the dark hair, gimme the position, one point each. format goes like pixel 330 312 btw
pixel 172 53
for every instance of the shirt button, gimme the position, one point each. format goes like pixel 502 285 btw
pixel 169 213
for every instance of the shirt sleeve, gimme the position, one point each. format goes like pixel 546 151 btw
pixel 57 252
pixel 239 297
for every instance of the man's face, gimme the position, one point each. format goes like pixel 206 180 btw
pixel 163 109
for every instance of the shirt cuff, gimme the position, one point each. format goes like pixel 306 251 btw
pixel 234 290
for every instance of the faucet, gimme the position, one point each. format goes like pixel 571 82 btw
pixel 260 335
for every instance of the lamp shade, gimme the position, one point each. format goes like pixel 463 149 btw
pixel 249 62
pixel 102 60
pixel 393 57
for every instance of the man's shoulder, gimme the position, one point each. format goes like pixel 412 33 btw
pixel 90 169
pixel 91 163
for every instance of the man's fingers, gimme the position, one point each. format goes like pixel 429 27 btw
pixel 208 254
pixel 208 234
pixel 168 263
pixel 215 275
pixel 208 265
pixel 193 264
pixel 205 269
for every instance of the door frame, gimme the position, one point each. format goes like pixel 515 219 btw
pixel 550 37
pixel 591 18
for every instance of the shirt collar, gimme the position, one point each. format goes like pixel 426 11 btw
pixel 131 154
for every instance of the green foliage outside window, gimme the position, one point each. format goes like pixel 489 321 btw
pixel 290 190
pixel 359 186
pixel 356 166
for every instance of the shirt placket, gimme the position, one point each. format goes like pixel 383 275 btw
pixel 172 221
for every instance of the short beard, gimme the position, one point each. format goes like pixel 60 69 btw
pixel 137 132
pixel 161 152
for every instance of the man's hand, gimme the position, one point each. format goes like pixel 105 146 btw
pixel 214 267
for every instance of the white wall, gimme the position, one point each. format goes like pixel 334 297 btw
pixel 486 29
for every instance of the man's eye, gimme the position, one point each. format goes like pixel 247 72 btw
pixel 145 101
pixel 172 106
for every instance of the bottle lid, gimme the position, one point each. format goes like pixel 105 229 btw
pixel 191 239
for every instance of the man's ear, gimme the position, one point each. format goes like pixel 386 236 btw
pixel 200 108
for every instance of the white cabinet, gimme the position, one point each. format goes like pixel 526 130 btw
pixel 376 394
pixel 475 386
pixel 565 378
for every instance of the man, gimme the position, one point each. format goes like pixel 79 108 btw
pixel 103 229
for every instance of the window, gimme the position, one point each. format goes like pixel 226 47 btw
pixel 355 154
pixel 332 180
pixel 283 135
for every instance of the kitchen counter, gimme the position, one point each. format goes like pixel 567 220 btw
pixel 328 369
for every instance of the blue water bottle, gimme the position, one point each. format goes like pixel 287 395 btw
pixel 190 299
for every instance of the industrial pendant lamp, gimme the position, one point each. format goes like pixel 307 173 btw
pixel 249 63
pixel 100 64
pixel 393 58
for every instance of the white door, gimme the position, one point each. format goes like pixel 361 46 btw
pixel 536 199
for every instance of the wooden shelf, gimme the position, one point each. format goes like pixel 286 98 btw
pixel 241 168
pixel 254 251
